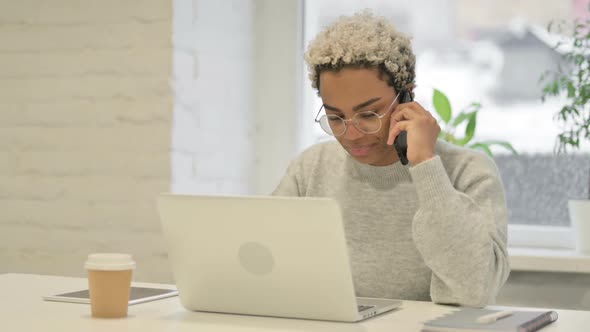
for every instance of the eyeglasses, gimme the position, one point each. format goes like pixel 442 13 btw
pixel 367 122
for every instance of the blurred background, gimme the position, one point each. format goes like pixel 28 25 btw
pixel 105 104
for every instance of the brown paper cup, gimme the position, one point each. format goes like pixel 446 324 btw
pixel 109 283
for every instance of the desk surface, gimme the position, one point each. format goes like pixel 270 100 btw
pixel 22 309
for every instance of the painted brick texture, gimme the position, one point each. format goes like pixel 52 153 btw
pixel 86 112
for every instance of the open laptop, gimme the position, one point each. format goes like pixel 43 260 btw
pixel 267 256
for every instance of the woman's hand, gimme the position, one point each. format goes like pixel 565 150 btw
pixel 422 130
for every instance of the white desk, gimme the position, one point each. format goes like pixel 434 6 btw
pixel 22 309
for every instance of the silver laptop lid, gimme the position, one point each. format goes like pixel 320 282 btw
pixel 271 256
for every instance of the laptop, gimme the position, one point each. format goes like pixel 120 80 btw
pixel 265 256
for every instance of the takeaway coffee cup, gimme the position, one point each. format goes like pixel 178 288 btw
pixel 109 283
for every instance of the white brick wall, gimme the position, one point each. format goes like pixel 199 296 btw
pixel 90 127
pixel 85 132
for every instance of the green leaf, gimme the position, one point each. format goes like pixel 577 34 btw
pixel 503 144
pixel 460 118
pixel 571 90
pixel 473 107
pixel 555 88
pixel 470 129
pixel 442 105
pixel 481 146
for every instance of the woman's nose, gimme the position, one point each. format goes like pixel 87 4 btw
pixel 352 132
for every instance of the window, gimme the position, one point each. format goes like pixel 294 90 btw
pixel 491 52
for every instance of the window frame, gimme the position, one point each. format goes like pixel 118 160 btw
pixel 546 237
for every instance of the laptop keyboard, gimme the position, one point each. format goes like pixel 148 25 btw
pixel 364 307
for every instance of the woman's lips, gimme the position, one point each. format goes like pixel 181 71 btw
pixel 361 150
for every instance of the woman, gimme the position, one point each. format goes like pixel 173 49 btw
pixel 432 230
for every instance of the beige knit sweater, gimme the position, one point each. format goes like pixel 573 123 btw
pixel 435 231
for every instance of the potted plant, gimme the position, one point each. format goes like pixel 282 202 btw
pixel 573 118
pixel 450 125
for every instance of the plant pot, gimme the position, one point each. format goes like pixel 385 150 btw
pixel 580 219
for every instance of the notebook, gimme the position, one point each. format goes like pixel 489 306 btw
pixel 466 320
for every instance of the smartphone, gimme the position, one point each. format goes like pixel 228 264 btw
pixel 401 143
pixel 137 295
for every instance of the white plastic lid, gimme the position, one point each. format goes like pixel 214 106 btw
pixel 109 262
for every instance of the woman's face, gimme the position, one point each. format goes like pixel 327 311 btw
pixel 350 91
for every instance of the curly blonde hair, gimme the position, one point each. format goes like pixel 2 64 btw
pixel 362 40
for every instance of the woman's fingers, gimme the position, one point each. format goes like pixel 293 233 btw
pixel 395 128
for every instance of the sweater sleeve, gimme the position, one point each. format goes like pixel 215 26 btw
pixel 461 231
pixel 290 184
